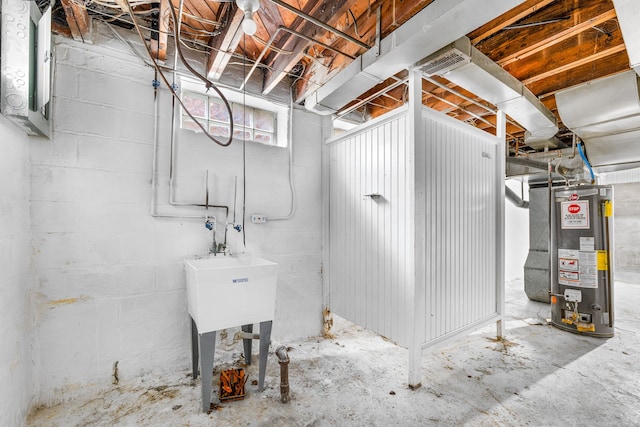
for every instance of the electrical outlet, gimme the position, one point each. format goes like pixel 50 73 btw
pixel 258 219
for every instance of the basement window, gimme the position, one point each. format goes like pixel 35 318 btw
pixel 255 119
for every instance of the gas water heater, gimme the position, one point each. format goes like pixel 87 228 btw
pixel 582 260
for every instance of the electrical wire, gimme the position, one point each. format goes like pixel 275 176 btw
pixel 244 151
pixel 208 84
pixel 355 23
pixel 291 186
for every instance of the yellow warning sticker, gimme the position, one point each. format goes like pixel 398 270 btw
pixel 608 208
pixel 603 260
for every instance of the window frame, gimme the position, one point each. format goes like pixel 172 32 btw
pixel 281 112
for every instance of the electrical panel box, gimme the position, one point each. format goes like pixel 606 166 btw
pixel 25 65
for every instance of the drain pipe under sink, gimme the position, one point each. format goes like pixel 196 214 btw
pixel 283 359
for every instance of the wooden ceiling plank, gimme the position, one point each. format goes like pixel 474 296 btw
pixel 556 17
pixel 548 87
pixel 201 9
pixel 557 38
pixel 78 21
pixel 224 45
pixel 159 45
pixel 514 15
pixel 577 49
pixel 270 16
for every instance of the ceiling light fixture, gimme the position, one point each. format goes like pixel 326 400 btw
pixel 249 7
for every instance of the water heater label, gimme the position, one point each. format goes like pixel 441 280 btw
pixel 577 268
pixel 575 214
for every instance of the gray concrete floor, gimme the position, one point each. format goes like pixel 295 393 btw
pixel 537 376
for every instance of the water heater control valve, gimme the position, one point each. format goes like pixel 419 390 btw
pixel 573 295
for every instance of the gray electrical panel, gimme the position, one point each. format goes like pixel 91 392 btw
pixel 25 65
pixel 582 260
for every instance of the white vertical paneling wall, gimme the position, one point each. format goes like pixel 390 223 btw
pixel 461 206
pixel 373 275
pixel 369 239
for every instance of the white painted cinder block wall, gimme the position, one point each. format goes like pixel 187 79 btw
pixel 15 275
pixel 109 277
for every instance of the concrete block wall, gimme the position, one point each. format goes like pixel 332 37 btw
pixel 626 207
pixel 109 281
pixel 15 275
pixel 626 222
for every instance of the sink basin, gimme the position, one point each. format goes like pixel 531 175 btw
pixel 229 291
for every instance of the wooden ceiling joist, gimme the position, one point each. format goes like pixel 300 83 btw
pixel 224 44
pixel 282 64
pixel 551 25
pixel 159 43
pixel 615 63
pixel 78 21
pixel 393 14
pixel 575 64
pixel 557 38
pixel 584 47
pixel 511 17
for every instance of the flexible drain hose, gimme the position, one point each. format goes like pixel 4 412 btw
pixel 586 162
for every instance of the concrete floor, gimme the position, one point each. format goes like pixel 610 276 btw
pixel 537 376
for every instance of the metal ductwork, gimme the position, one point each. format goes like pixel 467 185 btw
pixel 467 67
pixel 427 31
pixel 605 114
pixel 628 14
pixel 565 164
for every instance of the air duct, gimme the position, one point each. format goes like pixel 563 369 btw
pixel 628 14
pixel 430 29
pixel 605 114
pixel 467 67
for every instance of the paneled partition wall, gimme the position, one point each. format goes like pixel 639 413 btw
pixel 416 229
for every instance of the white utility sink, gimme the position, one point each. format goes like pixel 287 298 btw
pixel 229 291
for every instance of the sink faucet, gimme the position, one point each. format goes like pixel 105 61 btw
pixel 216 248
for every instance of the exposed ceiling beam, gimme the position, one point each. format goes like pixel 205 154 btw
pixel 582 48
pixel 511 17
pixel 575 64
pixel 392 13
pixel 78 21
pixel 555 23
pixel 224 44
pixel 159 43
pixel 270 16
pixel 327 13
pixel 558 37
pixel 547 87
pixel 191 24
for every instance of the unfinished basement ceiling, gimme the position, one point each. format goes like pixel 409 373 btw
pixel 547 45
